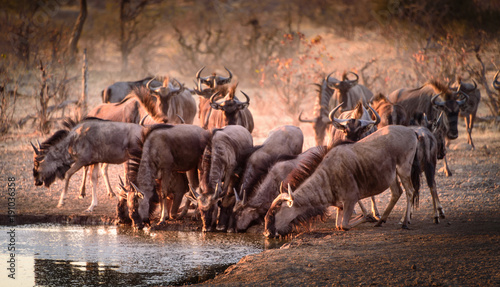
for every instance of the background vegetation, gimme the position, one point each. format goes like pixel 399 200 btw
pixel 276 49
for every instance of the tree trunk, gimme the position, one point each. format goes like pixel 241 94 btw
pixel 77 30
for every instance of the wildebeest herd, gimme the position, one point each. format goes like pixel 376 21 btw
pixel 373 143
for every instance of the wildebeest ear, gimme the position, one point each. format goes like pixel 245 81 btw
pixel 137 192
pixel 338 126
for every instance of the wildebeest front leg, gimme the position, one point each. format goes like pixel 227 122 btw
pixel 396 192
pixel 76 166
pixel 469 123
pixel 84 179
pixel 375 212
pixel 94 178
pixel 104 171
pixel 346 215
pixel 447 170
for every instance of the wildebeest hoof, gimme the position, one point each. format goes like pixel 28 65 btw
pixel 379 223
pixel 370 218
pixel 436 220
pixel 81 196
pixel 60 204
pixel 90 209
pixel 111 194
pixel 405 227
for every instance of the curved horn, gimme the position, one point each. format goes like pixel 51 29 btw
pixel 37 152
pixel 303 120
pixel 425 121
pixel 195 194
pixel 137 190
pixel 433 101
pixel 38 144
pixel 246 96
pixel 225 80
pixel 141 122
pixel 148 85
pixel 198 74
pixel 215 105
pixel 244 197
pixel 496 83
pixel 180 118
pixel 353 81
pixel 238 199
pixel 377 116
pixel 290 201
pixel 331 115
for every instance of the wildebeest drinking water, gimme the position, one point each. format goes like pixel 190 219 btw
pixel 348 173
pixel 164 149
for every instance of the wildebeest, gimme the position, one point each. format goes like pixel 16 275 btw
pixel 348 92
pixel 212 81
pixel 469 109
pixel 431 147
pixel 116 92
pixel 165 149
pixel 352 125
pixel 321 110
pixel 390 114
pixel 348 173
pixel 89 142
pixel 226 152
pixel 426 100
pixel 252 208
pixel 283 140
pixel 228 110
pixel 149 105
pixel 174 100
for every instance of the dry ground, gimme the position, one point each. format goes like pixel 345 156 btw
pixel 463 250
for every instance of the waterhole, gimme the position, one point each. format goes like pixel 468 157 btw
pixel 68 255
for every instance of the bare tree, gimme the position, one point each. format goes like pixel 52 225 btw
pixel 130 35
pixel 77 30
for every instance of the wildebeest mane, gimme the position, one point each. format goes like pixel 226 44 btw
pixel 305 168
pixel 148 101
pixel 441 88
pixel 53 140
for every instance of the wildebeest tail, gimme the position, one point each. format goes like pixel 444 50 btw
pixel 415 178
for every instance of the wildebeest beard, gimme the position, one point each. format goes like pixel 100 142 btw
pixel 58 167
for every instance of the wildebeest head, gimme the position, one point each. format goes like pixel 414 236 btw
pixel 207 205
pixel 439 131
pixel 496 82
pixel 212 81
pixel 229 104
pixel 158 102
pixel 50 161
pixel 450 105
pixel 287 212
pixel 342 86
pixel 354 128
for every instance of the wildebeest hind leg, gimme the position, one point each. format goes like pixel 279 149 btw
pixel 95 178
pixel 104 171
pixel 84 179
pixel 76 166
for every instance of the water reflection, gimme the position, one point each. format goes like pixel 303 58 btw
pixel 110 255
